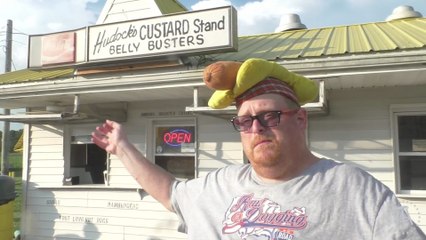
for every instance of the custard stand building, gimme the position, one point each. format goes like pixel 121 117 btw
pixel 147 74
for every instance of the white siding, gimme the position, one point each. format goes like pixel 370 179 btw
pixel 46 160
pixel 219 144
pixel 357 131
pixel 98 214
pixel 118 211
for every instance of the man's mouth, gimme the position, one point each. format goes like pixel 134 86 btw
pixel 261 142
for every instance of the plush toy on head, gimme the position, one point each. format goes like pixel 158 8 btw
pixel 232 79
pixel 221 75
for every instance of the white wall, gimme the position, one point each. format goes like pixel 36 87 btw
pixel 120 210
pixel 111 212
pixel 219 144
pixel 357 131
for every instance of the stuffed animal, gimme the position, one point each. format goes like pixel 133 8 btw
pixel 231 79
pixel 221 75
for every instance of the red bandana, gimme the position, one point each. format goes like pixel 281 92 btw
pixel 268 85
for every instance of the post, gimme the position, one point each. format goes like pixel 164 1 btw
pixel 5 146
pixel 5 143
pixel 8 62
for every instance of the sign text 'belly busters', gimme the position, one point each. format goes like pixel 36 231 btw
pixel 157 36
pixel 162 35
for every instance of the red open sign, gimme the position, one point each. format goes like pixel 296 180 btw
pixel 176 137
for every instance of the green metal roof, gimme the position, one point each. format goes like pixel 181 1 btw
pixel 369 38
pixel 170 6
pixel 27 75
pixel 403 34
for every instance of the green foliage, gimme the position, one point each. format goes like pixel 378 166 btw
pixel 14 136
pixel 15 163
pixel 15 171
pixel 15 160
pixel 18 201
pixel 19 145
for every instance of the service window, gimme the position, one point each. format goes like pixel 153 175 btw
pixel 410 159
pixel 175 150
pixel 87 162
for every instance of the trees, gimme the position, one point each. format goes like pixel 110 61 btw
pixel 14 136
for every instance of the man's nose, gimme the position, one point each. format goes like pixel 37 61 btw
pixel 257 126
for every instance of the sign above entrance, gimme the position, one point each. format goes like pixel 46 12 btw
pixel 203 31
pixel 189 33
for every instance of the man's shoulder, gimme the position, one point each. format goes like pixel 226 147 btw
pixel 341 167
pixel 233 169
pixel 352 175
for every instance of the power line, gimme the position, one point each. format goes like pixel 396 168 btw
pixel 10 64
pixel 19 32
pixel 14 33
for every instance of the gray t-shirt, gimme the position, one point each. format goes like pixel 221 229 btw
pixel 329 200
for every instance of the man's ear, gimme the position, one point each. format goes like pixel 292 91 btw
pixel 302 118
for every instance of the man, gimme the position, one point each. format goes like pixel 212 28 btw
pixel 285 192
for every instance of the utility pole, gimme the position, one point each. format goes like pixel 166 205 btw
pixel 5 143
pixel 8 63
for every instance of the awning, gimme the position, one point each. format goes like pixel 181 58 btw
pixel 318 107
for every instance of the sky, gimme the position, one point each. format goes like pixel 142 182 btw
pixel 30 17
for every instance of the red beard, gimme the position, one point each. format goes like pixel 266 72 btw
pixel 263 151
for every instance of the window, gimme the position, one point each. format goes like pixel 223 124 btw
pixel 175 150
pixel 410 159
pixel 87 162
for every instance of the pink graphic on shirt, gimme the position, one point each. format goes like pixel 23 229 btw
pixel 249 216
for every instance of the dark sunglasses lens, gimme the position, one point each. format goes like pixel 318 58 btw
pixel 269 119
pixel 242 123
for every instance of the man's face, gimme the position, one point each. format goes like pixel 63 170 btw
pixel 267 146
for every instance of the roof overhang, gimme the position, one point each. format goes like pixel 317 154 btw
pixel 76 113
pixel 340 72
pixel 318 107
pixel 44 117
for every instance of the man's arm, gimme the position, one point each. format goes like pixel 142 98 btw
pixel 153 179
pixel 394 222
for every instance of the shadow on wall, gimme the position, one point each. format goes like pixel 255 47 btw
pixel 43 219
pixel 89 230
pixel 75 213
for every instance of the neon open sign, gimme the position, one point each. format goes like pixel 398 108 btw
pixel 177 137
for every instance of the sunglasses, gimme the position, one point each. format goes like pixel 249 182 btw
pixel 266 119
